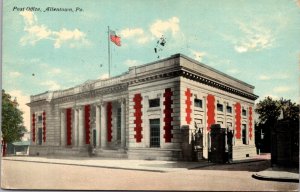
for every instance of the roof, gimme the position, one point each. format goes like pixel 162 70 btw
pixel 175 63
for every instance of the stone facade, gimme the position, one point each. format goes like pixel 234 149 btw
pixel 149 112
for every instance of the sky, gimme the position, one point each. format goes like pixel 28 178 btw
pixel 256 41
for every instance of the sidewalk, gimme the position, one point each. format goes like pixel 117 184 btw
pixel 127 164
pixel 278 174
pixel 271 174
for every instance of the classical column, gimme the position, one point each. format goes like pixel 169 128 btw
pixel 81 140
pixel 75 136
pixel 62 128
pixel 103 125
pixel 123 124
pixel 98 126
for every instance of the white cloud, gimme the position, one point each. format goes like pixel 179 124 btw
pixel 156 30
pixel 36 32
pixel 281 89
pixel 14 74
pixel 29 17
pixel 159 27
pixel 143 40
pixel 127 33
pixel 198 55
pixel 65 35
pixel 104 76
pixel 130 62
pixel 22 99
pixel 264 77
pixel 240 49
pixel 255 37
pixel 55 71
pixel 51 85
pixel 137 34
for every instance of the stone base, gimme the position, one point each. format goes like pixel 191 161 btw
pixel 243 152
pixel 76 152
pixel 155 154
pixel 107 153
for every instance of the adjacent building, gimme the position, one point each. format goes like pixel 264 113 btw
pixel 149 112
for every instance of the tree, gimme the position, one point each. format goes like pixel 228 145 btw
pixel 12 121
pixel 290 110
pixel 269 111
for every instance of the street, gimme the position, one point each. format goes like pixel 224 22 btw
pixel 234 177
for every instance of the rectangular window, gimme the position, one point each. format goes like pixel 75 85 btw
pixel 154 102
pixel 244 134
pixel 229 109
pixel 154 132
pixel 40 118
pixel 220 107
pixel 244 112
pixel 198 103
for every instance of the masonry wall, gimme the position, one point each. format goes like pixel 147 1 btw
pixel 168 114
pixel 203 117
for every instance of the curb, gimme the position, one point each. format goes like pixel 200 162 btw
pixel 99 166
pixel 260 177
pixel 248 161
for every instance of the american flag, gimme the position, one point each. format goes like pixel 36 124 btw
pixel 114 38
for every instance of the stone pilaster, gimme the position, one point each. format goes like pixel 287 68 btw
pixel 81 134
pixel 103 125
pixel 123 124
pixel 63 128
pixel 98 131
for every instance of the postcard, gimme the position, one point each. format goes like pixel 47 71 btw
pixel 150 95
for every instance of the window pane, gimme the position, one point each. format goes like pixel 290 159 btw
pixel 244 112
pixel 219 107
pixel 244 134
pixel 154 102
pixel 40 118
pixel 154 132
pixel 229 109
pixel 198 103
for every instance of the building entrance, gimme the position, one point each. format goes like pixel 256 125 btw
pixel 40 136
pixel 94 137
pixel 154 132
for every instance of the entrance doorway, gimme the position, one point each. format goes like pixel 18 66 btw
pixel 94 137
pixel 40 136
pixel 155 133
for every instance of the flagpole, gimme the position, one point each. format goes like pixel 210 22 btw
pixel 108 34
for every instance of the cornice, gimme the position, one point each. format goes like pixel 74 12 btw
pixel 94 93
pixel 219 85
pixel 195 77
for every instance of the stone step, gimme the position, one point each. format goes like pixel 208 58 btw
pixel 154 154
pixel 111 153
